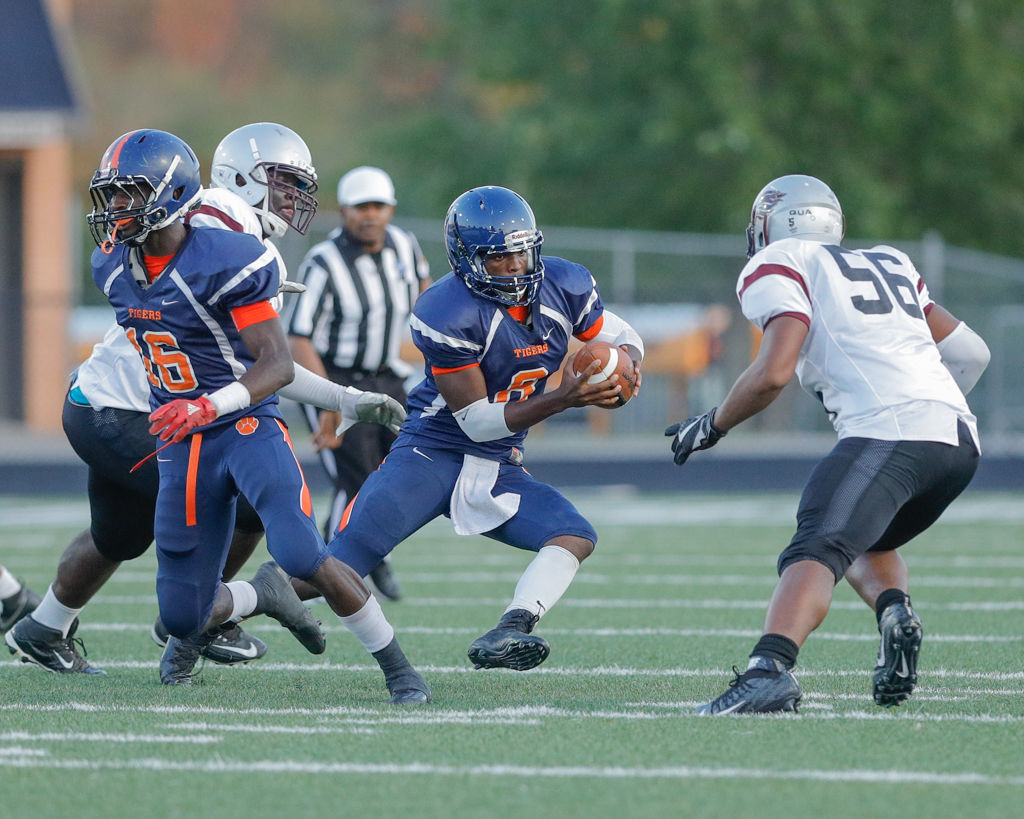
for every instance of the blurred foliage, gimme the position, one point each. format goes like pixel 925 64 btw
pixel 663 114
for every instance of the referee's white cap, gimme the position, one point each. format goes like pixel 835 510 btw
pixel 366 184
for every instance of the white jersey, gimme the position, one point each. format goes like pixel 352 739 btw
pixel 869 356
pixel 113 375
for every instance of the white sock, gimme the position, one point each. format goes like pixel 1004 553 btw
pixel 370 626
pixel 9 585
pixel 243 599
pixel 545 580
pixel 54 614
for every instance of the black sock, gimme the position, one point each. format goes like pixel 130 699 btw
pixel 778 647
pixel 887 598
pixel 391 658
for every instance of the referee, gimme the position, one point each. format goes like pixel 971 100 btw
pixel 349 324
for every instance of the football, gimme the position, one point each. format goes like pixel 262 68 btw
pixel 613 361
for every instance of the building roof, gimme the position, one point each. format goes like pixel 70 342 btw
pixel 38 98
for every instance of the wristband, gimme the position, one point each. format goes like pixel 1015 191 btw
pixel 231 398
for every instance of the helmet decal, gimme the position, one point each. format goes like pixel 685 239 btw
pixel 489 221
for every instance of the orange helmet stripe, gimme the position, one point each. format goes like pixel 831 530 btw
pixel 113 154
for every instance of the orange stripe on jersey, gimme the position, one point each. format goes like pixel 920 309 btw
pixel 190 480
pixel 442 370
pixel 346 514
pixel 305 501
pixel 592 330
pixel 250 314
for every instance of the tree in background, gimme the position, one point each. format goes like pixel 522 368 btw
pixel 660 115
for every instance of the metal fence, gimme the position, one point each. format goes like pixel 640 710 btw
pixel 647 275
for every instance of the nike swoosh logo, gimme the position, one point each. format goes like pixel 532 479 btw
pixel 249 652
pixel 903 671
pixel 164 460
pixel 416 449
pixel 173 301
pixel 548 333
pixel 730 709
pixel 66 664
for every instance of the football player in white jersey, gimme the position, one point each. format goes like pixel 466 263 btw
pixel 106 413
pixel 891 368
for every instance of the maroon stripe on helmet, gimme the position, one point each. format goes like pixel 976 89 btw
pixel 775 270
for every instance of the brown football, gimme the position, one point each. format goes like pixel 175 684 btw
pixel 614 361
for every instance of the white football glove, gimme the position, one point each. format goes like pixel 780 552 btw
pixel 370 408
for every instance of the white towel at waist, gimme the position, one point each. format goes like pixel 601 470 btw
pixel 474 509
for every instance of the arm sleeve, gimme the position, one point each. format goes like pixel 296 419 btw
pixel 966 355
pixel 617 331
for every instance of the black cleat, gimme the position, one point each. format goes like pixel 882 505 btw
pixel 766 688
pixel 510 644
pixel 895 673
pixel 404 682
pixel 276 598
pixel 230 644
pixel 385 582
pixel 179 659
pixel 23 602
pixel 44 646
pixel 409 688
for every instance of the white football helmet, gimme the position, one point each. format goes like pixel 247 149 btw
pixel 256 160
pixel 795 206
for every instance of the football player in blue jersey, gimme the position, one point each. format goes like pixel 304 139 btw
pixel 492 332
pixel 196 304
pixel 262 183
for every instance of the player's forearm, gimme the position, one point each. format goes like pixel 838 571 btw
pixel 310 388
pixel 753 391
pixel 268 375
pixel 520 415
pixel 272 366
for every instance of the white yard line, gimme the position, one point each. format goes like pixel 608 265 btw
pixel 553 671
pixel 684 508
pixel 221 766
pixel 612 603
pixel 73 736
pixel 469 631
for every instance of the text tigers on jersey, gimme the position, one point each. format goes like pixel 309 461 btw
pixel 144 314
pixel 524 352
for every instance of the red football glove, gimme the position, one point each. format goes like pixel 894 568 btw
pixel 176 421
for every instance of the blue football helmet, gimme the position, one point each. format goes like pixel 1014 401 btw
pixel 493 220
pixel 147 177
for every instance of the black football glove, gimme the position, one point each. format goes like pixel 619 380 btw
pixel 692 434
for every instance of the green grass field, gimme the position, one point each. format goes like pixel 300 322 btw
pixel 673 597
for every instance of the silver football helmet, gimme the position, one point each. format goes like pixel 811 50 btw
pixel 270 167
pixel 795 206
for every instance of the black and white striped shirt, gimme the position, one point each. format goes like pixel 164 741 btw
pixel 356 306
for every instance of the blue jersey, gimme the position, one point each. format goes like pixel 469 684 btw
pixel 454 329
pixel 181 324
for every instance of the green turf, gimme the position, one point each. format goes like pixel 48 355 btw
pixel 604 728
